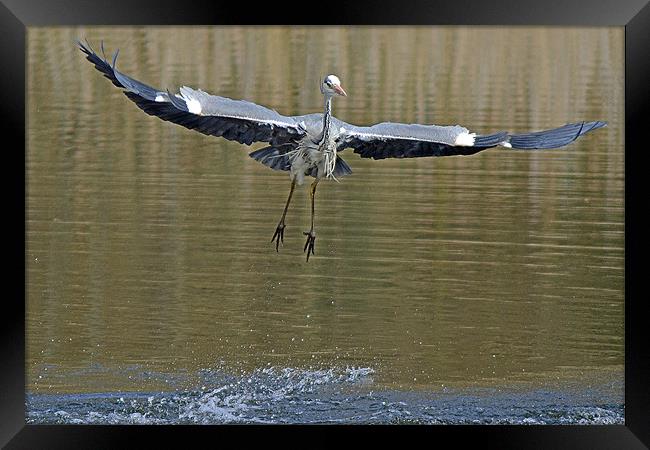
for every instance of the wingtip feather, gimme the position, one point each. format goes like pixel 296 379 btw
pixel 117 52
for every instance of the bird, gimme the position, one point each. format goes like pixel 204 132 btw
pixel 309 145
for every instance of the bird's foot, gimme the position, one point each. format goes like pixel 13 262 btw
pixel 278 236
pixel 309 245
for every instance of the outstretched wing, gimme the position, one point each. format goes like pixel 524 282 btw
pixel 236 120
pixel 397 140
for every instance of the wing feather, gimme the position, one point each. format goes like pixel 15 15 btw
pixel 398 140
pixel 236 120
pixel 395 140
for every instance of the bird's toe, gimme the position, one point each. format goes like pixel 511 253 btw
pixel 309 244
pixel 278 236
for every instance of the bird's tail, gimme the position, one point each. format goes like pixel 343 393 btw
pixel 557 137
pixel 277 158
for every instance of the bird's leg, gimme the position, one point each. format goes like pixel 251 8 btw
pixel 311 235
pixel 278 236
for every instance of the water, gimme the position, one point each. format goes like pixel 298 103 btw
pixel 484 289
pixel 271 395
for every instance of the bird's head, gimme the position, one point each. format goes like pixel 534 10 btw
pixel 332 86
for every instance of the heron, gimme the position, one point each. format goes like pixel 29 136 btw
pixel 309 145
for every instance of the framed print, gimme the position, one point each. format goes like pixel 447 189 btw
pixel 423 219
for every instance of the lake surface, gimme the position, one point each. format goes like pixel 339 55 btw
pixel 482 289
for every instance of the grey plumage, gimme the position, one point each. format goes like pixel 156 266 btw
pixel 247 122
pixel 308 145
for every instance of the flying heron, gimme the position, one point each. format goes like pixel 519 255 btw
pixel 309 144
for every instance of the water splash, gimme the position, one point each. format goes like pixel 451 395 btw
pixel 331 395
pixel 267 395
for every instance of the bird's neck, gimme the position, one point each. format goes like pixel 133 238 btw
pixel 327 115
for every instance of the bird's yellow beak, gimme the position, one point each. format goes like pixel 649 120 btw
pixel 339 90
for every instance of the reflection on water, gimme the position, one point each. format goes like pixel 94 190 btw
pixel 148 245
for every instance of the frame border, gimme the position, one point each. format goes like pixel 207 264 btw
pixel 634 15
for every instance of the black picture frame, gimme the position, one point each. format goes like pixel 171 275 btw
pixel 634 15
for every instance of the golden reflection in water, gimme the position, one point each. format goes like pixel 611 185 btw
pixel 148 244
